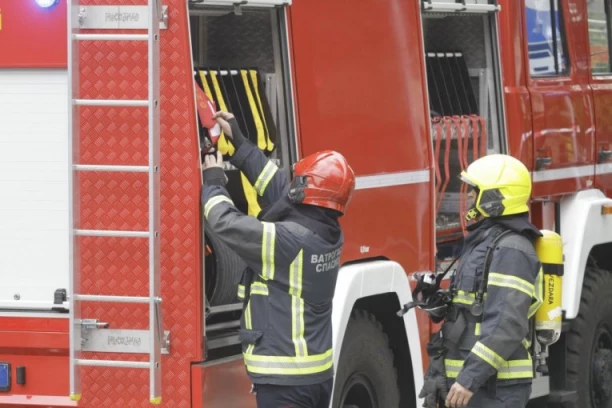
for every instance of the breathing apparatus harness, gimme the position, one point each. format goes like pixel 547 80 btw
pixel 435 301
pixel 429 297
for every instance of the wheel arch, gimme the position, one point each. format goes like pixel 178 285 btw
pixel 585 231
pixel 381 287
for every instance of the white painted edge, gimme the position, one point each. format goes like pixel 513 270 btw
pixel 571 172
pixel 582 227
pixel 605 168
pixel 27 305
pixel 391 179
pixel 564 173
pixel 366 279
pixel 35 314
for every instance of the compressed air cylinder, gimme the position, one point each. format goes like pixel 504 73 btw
pixel 549 249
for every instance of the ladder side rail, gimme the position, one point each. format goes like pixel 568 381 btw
pixel 155 329
pixel 74 203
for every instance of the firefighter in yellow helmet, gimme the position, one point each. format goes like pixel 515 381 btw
pixel 482 351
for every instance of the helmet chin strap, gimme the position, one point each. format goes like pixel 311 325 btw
pixel 473 216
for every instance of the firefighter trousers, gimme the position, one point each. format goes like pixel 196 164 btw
pixel 511 396
pixel 294 396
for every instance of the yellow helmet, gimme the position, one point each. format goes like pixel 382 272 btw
pixel 503 184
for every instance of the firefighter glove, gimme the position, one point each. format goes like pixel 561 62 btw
pixel 435 389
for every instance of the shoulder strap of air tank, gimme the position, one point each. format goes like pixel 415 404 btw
pixel 488 259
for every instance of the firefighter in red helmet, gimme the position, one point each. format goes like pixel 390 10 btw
pixel 292 250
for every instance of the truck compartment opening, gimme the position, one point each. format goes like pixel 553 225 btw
pixel 464 87
pixel 240 62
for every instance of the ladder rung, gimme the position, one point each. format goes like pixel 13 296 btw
pixel 112 363
pixel 108 233
pixel 111 102
pixel 111 37
pixel 118 299
pixel 99 167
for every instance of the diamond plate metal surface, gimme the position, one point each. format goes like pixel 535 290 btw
pixel 119 266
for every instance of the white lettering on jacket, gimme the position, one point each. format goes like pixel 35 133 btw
pixel 326 262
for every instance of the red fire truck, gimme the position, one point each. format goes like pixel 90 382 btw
pixel 112 291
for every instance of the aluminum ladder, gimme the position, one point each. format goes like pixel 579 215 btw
pixel 77 323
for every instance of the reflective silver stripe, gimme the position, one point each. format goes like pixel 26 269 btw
pixel 453 367
pixel 513 369
pixel 297 305
pixel 516 369
pixel 463 299
pixel 259 288
pixel 509 281
pixel 488 355
pixel 214 201
pixel 564 173
pixel 289 365
pixel 604 168
pixel 267 250
pixel 248 324
pixel 538 293
pixel 264 177
pixel 241 291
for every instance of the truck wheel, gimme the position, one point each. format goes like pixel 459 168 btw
pixel 589 343
pixel 222 271
pixel 365 376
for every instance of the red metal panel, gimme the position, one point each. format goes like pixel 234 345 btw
pixel 562 110
pixel 360 83
pixel 361 90
pixel 515 75
pixel 391 222
pixel 32 37
pixel 41 346
pixel 367 102
pixel 223 385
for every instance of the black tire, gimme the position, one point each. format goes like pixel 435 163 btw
pixel 589 343
pixel 366 376
pixel 223 269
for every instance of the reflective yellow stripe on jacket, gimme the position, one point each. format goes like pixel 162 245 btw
pixel 509 370
pixel 267 250
pixel 283 365
pixel 265 177
pixel 248 324
pixel 297 306
pixel 259 288
pixel 538 293
pixel 214 201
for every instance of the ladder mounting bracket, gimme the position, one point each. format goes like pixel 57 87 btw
pixel 121 341
pixel 119 17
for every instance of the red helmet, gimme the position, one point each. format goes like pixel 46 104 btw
pixel 324 179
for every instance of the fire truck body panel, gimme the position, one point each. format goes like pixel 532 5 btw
pixel 358 88
pixel 391 169
pixel 367 280
pixel 32 37
pixel 570 127
pixel 584 227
